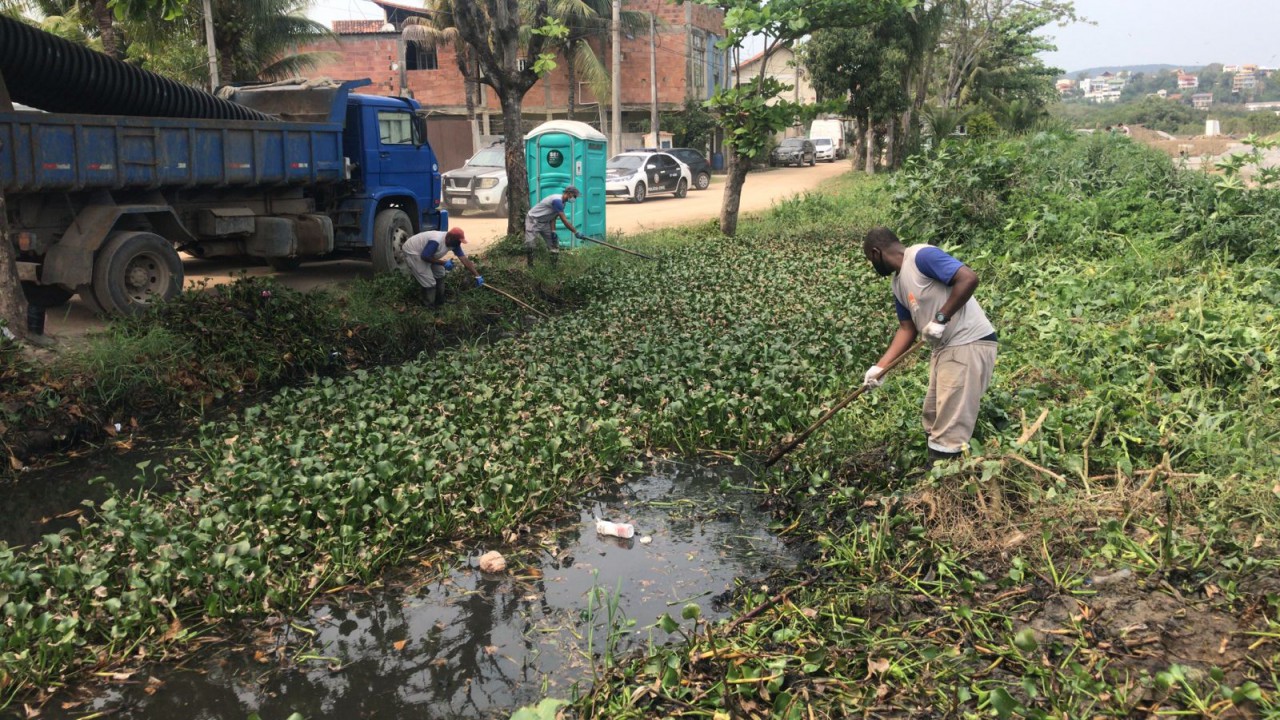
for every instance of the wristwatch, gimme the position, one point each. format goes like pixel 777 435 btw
pixel 941 318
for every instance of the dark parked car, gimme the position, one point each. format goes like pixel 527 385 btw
pixel 698 165
pixel 794 151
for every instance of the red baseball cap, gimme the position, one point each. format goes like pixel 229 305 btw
pixel 456 233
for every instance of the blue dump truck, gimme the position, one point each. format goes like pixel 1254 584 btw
pixel 120 170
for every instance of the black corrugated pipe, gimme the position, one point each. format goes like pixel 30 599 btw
pixel 46 72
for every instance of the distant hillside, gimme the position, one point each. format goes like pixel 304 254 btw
pixel 1154 68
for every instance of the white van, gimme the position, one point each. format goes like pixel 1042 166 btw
pixel 832 130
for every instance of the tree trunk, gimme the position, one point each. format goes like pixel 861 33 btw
pixel 889 143
pixel 104 18
pixel 517 173
pixel 571 69
pixel 13 305
pixel 860 144
pixel 871 148
pixel 738 167
pixel 462 55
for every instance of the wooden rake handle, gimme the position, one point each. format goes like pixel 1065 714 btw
pixel 862 389
pixel 517 301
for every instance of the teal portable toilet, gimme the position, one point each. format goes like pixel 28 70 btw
pixel 566 152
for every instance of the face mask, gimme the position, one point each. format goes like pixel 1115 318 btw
pixel 882 268
pixel 569 199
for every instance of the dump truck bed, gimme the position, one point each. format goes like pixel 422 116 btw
pixel 42 152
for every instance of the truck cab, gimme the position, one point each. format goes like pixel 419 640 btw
pixel 395 179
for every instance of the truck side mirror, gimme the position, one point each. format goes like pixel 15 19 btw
pixel 419 130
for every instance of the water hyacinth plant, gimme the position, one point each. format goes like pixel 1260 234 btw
pixel 726 345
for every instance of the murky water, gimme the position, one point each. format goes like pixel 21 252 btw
pixel 46 501
pixel 472 645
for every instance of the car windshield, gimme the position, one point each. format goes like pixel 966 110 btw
pixel 792 144
pixel 490 157
pixel 626 162
pixel 822 141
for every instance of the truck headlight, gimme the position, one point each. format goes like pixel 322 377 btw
pixel 486 183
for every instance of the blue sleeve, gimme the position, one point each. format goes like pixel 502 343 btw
pixel 937 264
pixel 903 312
pixel 458 251
pixel 429 251
pixel 557 205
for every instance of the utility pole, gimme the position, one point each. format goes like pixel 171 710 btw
pixel 615 134
pixel 653 80
pixel 213 50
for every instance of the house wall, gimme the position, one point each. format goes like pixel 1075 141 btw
pixel 360 53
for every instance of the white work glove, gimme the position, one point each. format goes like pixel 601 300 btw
pixel 873 377
pixel 933 331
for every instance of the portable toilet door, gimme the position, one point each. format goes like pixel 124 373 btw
pixel 559 153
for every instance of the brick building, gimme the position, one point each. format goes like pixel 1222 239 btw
pixel 688 65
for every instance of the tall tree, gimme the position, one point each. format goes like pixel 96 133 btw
pixel 509 43
pixel 439 30
pixel 587 22
pixel 973 26
pixel 13 306
pixel 751 113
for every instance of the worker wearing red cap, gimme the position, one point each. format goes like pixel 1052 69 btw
pixel 424 255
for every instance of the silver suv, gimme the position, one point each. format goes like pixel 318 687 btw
pixel 480 184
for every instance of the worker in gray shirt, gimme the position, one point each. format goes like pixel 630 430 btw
pixel 541 222
pixel 933 296
pixel 424 254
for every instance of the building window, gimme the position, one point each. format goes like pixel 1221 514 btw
pixel 417 57
pixel 698 63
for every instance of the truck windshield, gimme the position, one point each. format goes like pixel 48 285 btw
pixel 821 141
pixel 489 157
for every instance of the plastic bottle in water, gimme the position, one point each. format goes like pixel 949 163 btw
pixel 622 530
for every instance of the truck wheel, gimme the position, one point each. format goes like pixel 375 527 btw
pixel 45 296
pixel 504 209
pixel 284 264
pixel 641 192
pixel 87 298
pixel 703 181
pixel 682 188
pixel 135 270
pixel 390 229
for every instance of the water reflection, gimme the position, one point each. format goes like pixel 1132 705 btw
pixel 471 645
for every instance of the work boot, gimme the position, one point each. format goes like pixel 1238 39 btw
pixel 439 294
pixel 528 257
pixel 426 295
pixel 936 456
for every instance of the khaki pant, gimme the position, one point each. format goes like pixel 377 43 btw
pixel 958 376
pixel 533 230
pixel 424 272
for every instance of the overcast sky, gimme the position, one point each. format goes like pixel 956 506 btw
pixel 1178 32
pixel 1127 32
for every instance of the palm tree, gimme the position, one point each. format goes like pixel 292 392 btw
pixel 257 39
pixel 440 30
pixel 588 22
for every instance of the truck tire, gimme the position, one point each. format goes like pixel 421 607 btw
pixel 85 293
pixel 391 228
pixel 135 270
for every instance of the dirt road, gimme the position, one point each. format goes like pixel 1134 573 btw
pixel 762 190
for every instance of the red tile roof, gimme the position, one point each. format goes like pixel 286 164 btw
pixel 358 27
